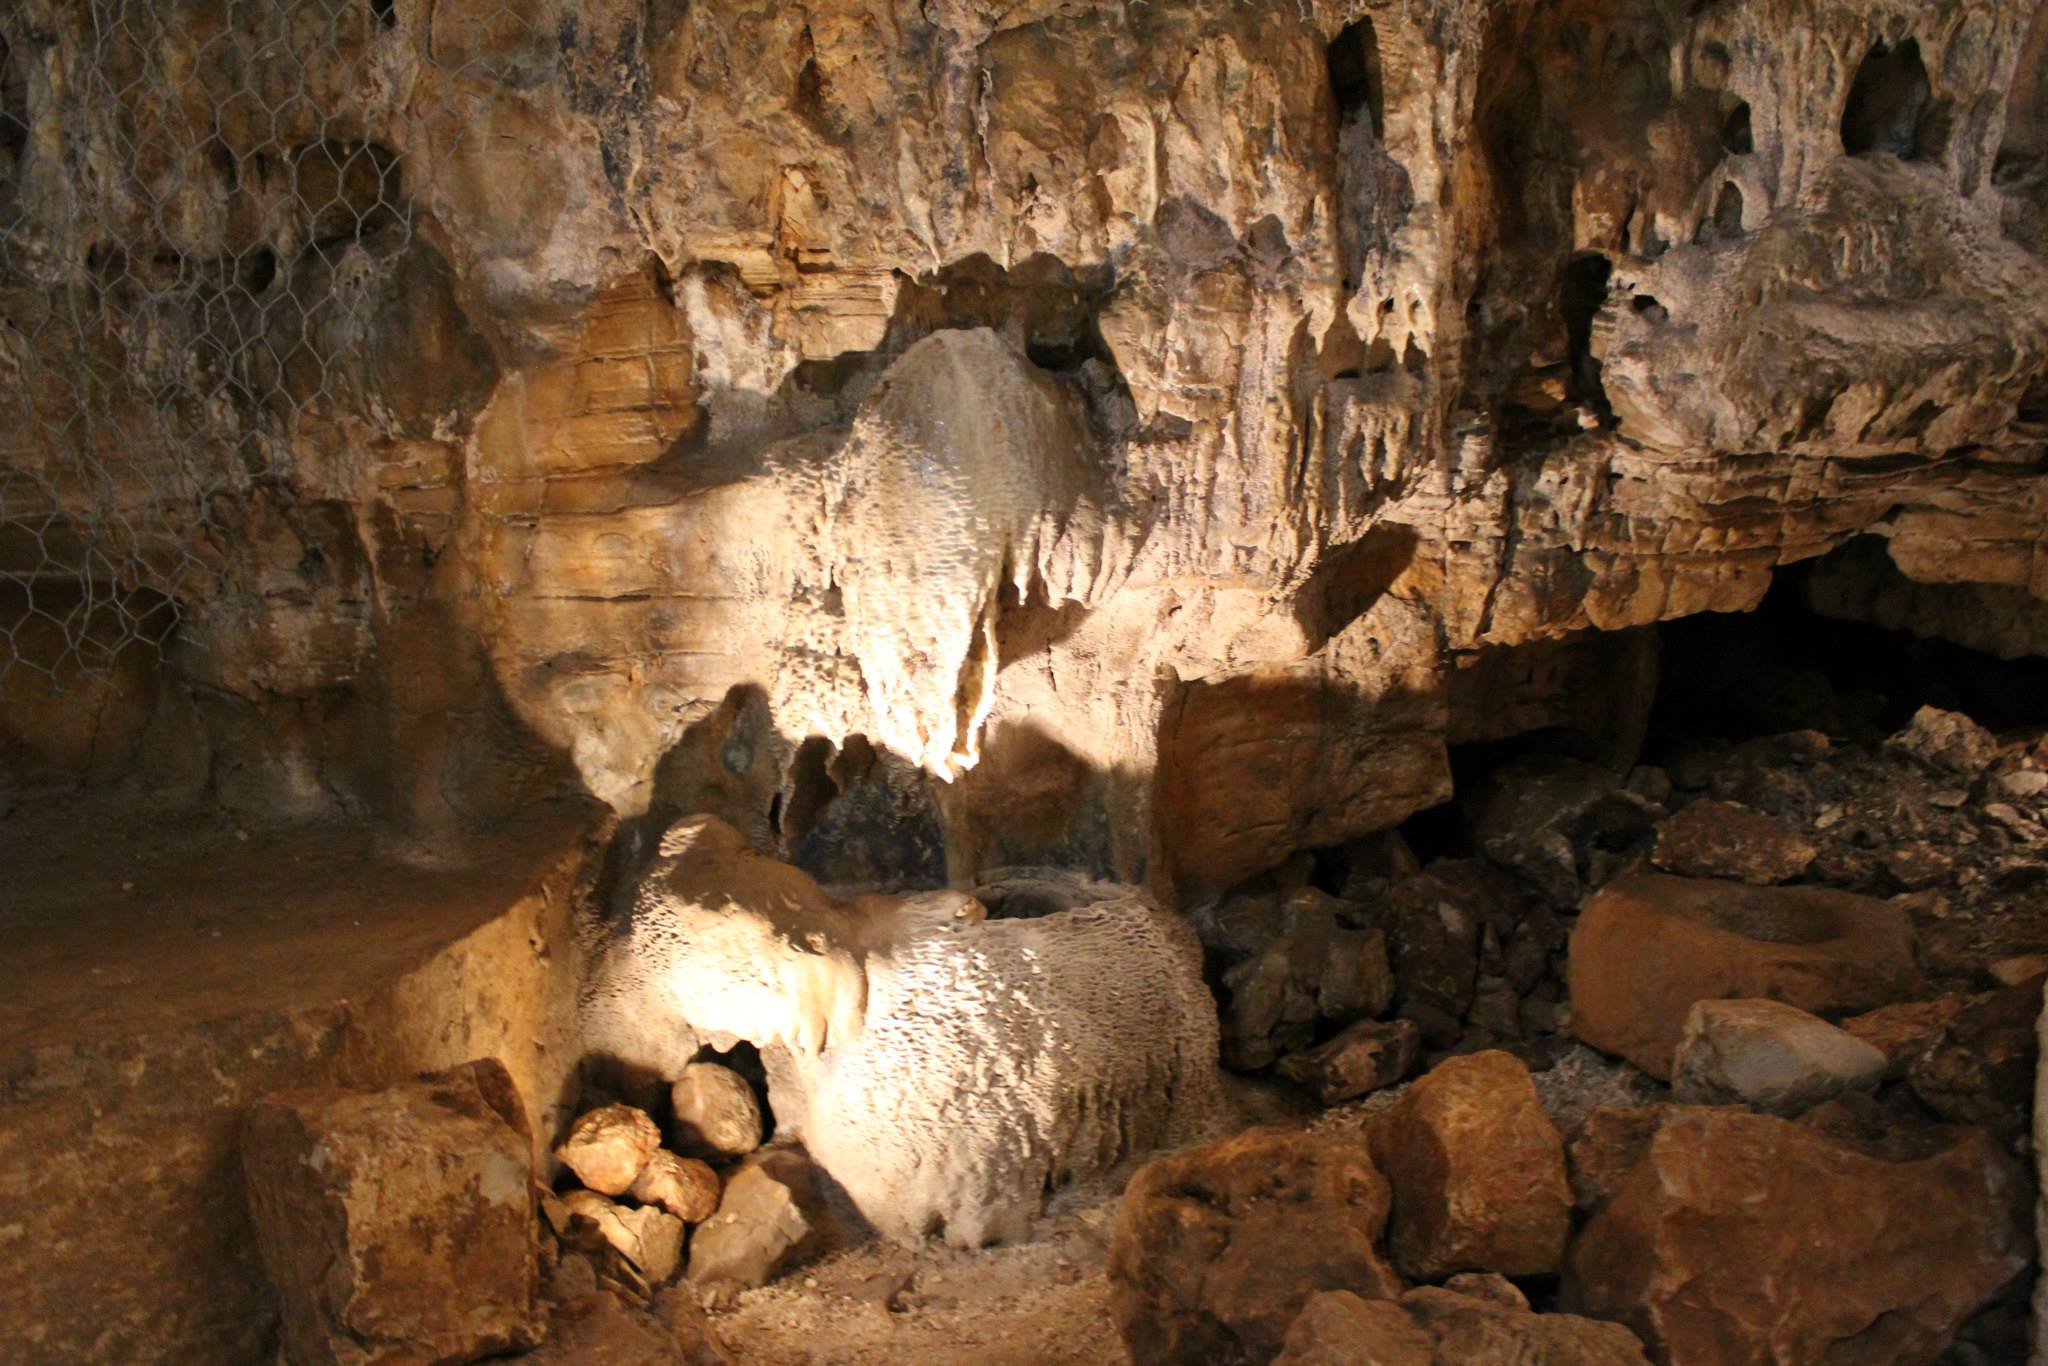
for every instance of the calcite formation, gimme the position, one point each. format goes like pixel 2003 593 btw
pixel 946 1069
pixel 1140 436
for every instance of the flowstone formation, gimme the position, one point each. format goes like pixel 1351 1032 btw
pixel 946 1069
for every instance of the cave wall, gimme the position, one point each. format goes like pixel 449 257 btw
pixel 946 435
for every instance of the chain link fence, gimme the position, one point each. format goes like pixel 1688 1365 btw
pixel 200 203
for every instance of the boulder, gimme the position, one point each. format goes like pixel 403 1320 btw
pixel 1362 1058
pixel 1648 946
pixel 397 1226
pixel 1713 838
pixel 757 1226
pixel 1978 1065
pixel 607 1147
pixel 683 1186
pixel 1477 1170
pixel 1739 1239
pixel 716 1113
pixel 1216 1249
pixel 1770 1055
pixel 1445 1327
pixel 1539 818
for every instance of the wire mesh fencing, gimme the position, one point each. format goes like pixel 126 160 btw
pixel 202 204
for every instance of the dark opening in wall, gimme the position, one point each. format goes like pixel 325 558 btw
pixel 1736 138
pixel 1727 219
pixel 1581 293
pixel 384 11
pixel 1890 107
pixel 1786 667
pixel 1354 60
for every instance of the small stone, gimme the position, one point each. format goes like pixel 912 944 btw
pixel 1713 838
pixel 2024 967
pixel 2023 783
pixel 717 1114
pixel 756 1228
pixel 607 1147
pixel 1770 1055
pixel 574 1276
pixel 1948 798
pixel 683 1186
pixel 1488 1285
pixel 1917 866
pixel 651 1239
pixel 1829 817
pixel 1477 1170
pixel 1363 1058
pixel 1946 740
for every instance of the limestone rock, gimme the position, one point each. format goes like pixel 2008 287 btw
pixel 683 1186
pixel 1948 741
pixel 1770 1055
pixel 651 1239
pixel 608 1147
pixel 397 1225
pixel 1216 1249
pixel 757 1226
pixel 1646 948
pixel 1477 1170
pixel 716 1113
pixel 1362 1057
pixel 1713 838
pixel 1914 1243
pixel 1535 817
pixel 1444 1327
pixel 1310 974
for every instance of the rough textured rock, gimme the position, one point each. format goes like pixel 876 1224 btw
pixel 1646 948
pixel 1361 1058
pixel 1917 1239
pixel 683 1186
pixel 1217 1249
pixel 757 1226
pixel 716 1113
pixel 1311 973
pixel 1711 838
pixel 1477 1170
pixel 878 1013
pixel 608 1147
pixel 601 1330
pixel 397 1225
pixel 1446 1327
pixel 1769 1055
pixel 651 1239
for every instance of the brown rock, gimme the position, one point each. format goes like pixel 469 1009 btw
pixel 1216 1249
pixel 1318 970
pixel 1606 1146
pixel 603 1330
pixel 1947 741
pixel 1444 1327
pixel 607 1147
pixel 1901 1031
pixel 1713 838
pixel 397 1225
pixel 1647 947
pixel 1364 1057
pixel 683 1186
pixel 717 1114
pixel 1477 1170
pixel 1978 1067
pixel 1843 1256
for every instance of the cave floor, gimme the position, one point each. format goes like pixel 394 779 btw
pixel 122 919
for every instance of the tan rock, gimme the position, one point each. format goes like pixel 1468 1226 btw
pixel 750 1238
pixel 1338 1328
pixel 1477 1170
pixel 1217 1249
pixel 1713 838
pixel 651 1239
pixel 397 1225
pixel 1647 947
pixel 1770 1055
pixel 1911 1246
pixel 608 1146
pixel 716 1112
pixel 1444 1327
pixel 683 1186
